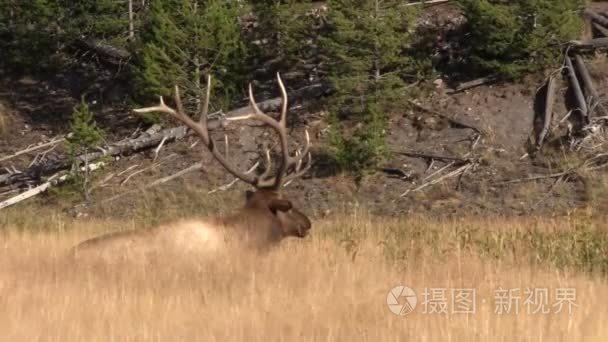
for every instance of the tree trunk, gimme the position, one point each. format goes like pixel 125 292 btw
pixel 590 44
pixel 108 52
pixel 131 26
pixel 589 88
pixel 576 88
pixel 551 85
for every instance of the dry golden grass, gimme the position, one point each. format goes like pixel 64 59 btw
pixel 330 286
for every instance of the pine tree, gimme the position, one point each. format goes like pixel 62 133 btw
pixel 369 67
pixel 183 41
pixel 283 27
pixel 84 135
pixel 106 20
pixel 508 39
pixel 84 132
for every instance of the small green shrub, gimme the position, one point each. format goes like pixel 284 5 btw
pixel 364 148
pixel 84 135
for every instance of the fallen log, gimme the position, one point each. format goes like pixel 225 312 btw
pixel 589 44
pixel 125 147
pixel 595 17
pixel 589 88
pixel 601 29
pixel 44 187
pixel 548 114
pixel 108 52
pixel 576 88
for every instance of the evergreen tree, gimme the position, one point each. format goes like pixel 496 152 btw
pixel 520 36
pixel 369 67
pixel 84 132
pixel 29 34
pixel 184 40
pixel 101 19
pixel 284 28
pixel 84 135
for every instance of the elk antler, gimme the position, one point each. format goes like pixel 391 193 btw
pixel 290 167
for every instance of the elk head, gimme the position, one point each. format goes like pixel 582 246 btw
pixel 267 204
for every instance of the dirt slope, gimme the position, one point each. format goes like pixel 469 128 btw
pixel 504 114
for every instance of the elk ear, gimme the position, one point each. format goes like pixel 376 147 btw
pixel 279 205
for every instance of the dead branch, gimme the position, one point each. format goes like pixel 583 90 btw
pixel 54 141
pixel 576 88
pixel 530 179
pixel 234 181
pixel 191 168
pixel 588 83
pixel 429 2
pixel 127 170
pixel 454 173
pixel 596 162
pixel 433 156
pixel 589 44
pixel 56 179
pixel 447 166
pixel 148 168
pixel 548 115
pixel 472 84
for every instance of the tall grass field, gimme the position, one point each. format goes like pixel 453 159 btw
pixel 523 279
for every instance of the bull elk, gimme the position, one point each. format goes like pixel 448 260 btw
pixel 267 217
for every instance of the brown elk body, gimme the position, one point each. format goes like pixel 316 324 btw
pixel 266 219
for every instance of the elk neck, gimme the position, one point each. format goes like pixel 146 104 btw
pixel 256 225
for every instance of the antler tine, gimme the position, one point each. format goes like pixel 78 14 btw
pixel 178 102
pixel 283 117
pixel 201 130
pixel 287 161
pixel 162 107
pixel 268 166
pixel 299 171
pixel 298 158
